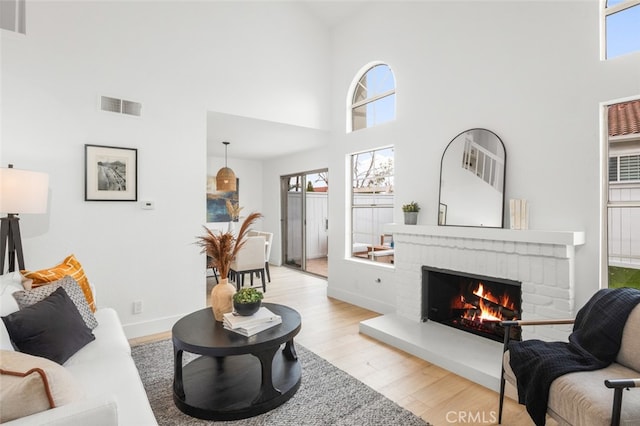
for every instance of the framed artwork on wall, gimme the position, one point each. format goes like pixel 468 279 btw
pixel 110 173
pixel 217 201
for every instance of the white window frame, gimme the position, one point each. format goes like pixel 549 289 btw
pixel 352 90
pixel 353 206
pixel 604 13
pixel 604 188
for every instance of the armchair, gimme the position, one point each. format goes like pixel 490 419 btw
pixel 579 391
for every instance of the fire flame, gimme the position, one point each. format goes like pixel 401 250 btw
pixel 489 311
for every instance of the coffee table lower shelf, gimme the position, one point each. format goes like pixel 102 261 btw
pixel 228 388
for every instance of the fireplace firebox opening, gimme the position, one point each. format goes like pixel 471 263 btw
pixel 472 303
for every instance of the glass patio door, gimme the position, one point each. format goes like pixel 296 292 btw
pixel 305 221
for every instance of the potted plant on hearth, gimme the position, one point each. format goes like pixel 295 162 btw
pixel 247 301
pixel 221 248
pixel 411 213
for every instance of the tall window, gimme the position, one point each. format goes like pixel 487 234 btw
pixel 621 20
pixel 372 204
pixel 623 204
pixel 374 98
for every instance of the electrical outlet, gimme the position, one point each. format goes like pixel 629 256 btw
pixel 137 307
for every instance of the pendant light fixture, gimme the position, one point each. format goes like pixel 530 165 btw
pixel 226 178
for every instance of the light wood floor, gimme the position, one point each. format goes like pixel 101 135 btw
pixel 330 329
pixel 318 266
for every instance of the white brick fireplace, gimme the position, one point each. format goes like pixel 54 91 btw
pixel 543 261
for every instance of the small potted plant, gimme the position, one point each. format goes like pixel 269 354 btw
pixel 247 301
pixel 411 213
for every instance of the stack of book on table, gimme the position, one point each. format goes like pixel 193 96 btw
pixel 252 324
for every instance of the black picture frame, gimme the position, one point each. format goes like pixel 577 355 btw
pixel 110 173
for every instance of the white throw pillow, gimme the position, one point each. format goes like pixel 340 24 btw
pixel 9 283
pixel 30 384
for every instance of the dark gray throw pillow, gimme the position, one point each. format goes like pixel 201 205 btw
pixel 52 328
pixel 29 297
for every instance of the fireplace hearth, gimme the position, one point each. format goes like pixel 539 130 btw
pixel 471 303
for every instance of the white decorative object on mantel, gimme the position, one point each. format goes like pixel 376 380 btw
pixel 518 214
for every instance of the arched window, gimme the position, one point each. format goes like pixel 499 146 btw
pixel 621 29
pixel 374 98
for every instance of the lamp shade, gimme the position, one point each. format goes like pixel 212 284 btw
pixel 23 191
pixel 226 180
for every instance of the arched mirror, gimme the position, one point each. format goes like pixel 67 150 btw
pixel 472 180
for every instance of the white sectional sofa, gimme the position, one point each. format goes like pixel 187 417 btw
pixel 111 390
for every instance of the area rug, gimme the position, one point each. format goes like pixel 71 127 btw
pixel 327 395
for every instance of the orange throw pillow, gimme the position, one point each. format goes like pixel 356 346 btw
pixel 70 266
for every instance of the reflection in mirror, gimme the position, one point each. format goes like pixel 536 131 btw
pixel 472 180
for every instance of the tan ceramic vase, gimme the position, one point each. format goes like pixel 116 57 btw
pixel 222 299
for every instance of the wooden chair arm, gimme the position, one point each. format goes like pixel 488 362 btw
pixel 536 322
pixel 513 323
pixel 622 383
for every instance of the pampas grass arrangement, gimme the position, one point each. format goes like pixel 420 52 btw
pixel 233 210
pixel 222 247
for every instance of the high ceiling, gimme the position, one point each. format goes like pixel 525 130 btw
pixel 259 139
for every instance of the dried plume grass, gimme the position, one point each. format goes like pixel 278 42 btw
pixel 233 209
pixel 222 247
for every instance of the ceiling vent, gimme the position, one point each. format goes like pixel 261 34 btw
pixel 120 106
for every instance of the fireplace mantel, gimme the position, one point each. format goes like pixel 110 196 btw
pixel 565 238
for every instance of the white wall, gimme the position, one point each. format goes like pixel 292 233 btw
pixel 179 59
pixel 528 71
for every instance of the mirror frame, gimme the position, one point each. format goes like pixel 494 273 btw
pixel 504 182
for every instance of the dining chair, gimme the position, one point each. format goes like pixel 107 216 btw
pixel 213 269
pixel 268 236
pixel 250 259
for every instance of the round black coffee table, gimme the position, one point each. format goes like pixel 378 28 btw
pixel 237 376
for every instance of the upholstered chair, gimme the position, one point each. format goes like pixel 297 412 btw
pixel 250 259
pixel 589 397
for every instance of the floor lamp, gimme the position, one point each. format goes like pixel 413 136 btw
pixel 21 191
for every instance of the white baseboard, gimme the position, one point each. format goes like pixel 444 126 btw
pixel 363 302
pixel 146 328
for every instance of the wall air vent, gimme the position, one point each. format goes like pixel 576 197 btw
pixel 13 16
pixel 120 106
